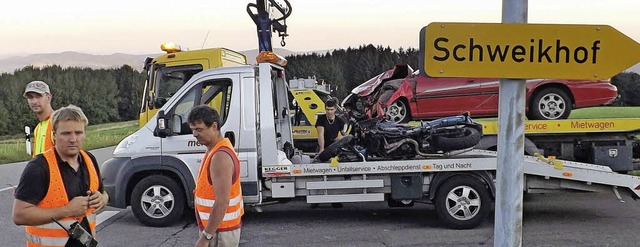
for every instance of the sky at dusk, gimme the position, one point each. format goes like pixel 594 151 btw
pixel 139 27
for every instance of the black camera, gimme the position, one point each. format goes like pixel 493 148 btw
pixel 79 233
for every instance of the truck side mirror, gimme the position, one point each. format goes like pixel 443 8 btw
pixel 161 125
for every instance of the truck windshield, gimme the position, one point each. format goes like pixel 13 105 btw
pixel 167 81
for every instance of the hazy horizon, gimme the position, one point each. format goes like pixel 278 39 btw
pixel 103 28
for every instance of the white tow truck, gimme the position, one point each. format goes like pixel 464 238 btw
pixel 154 169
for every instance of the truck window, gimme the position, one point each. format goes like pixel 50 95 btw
pixel 215 93
pixel 169 80
pixel 218 96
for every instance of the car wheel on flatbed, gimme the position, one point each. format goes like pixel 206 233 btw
pixel 462 202
pixel 549 104
pixel 398 112
pixel 157 201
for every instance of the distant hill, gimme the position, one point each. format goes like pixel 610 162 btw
pixel 72 59
pixel 116 60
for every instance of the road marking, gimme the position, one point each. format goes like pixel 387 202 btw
pixel 104 216
pixel 8 188
pixel 100 218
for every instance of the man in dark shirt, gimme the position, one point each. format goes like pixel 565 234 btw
pixel 328 126
pixel 77 175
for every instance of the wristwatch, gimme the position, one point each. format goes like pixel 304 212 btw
pixel 207 235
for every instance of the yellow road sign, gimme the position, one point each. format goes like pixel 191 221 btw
pixel 496 50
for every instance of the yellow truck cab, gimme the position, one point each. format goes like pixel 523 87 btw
pixel 169 72
pixel 306 99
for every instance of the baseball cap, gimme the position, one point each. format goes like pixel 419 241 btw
pixel 36 87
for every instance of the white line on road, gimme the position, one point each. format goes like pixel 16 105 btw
pixel 101 217
pixel 8 188
pixel 105 215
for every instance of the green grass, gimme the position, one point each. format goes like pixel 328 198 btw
pixel 98 136
pixel 606 112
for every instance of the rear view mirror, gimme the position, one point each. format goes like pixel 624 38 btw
pixel 161 125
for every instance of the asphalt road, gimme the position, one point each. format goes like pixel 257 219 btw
pixel 567 219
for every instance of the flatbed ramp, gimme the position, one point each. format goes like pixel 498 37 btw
pixel 542 175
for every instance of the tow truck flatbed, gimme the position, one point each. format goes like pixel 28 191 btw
pixel 583 176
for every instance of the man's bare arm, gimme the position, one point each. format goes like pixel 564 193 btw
pixel 221 170
pixel 320 138
pixel 25 213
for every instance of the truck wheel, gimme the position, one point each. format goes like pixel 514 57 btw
pixel 550 103
pixel 157 201
pixel 468 138
pixel 462 202
pixel 334 149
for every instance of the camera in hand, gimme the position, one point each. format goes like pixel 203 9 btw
pixel 79 233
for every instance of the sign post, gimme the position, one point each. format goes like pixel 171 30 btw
pixel 515 50
pixel 509 176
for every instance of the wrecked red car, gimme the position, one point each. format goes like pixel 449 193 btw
pixel 402 94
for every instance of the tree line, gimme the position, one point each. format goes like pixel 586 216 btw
pixel 105 95
pixel 112 95
pixel 346 69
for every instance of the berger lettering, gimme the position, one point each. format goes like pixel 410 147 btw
pixel 276 168
pixel 538 51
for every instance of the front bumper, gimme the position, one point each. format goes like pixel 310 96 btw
pixel 114 177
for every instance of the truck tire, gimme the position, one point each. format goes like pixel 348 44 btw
pixel 550 104
pixel 462 202
pixel 334 149
pixel 469 138
pixel 157 201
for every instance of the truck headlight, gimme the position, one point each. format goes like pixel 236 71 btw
pixel 126 143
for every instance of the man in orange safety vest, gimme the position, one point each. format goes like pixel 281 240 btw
pixel 218 197
pixel 63 183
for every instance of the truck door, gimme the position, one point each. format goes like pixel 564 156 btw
pixel 216 91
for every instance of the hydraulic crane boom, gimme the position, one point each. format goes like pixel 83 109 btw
pixel 265 25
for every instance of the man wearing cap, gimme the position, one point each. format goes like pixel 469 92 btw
pixel 38 97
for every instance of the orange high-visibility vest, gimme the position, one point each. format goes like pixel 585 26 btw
pixel 205 196
pixel 51 234
pixel 42 141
